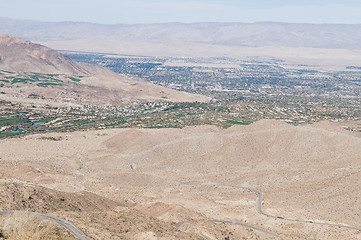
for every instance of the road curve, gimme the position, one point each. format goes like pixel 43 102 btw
pixel 260 211
pixel 64 223
pixel 178 225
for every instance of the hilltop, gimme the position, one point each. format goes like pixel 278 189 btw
pixel 19 55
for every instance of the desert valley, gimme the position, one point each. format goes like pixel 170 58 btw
pixel 256 138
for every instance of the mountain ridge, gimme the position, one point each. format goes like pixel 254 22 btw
pixel 258 34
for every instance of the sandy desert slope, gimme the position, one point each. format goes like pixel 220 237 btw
pixel 159 177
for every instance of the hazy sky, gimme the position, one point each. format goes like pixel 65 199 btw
pixel 148 11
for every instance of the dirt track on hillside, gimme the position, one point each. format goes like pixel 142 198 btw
pixel 163 176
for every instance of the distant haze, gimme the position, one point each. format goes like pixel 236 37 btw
pixel 266 34
pixel 325 46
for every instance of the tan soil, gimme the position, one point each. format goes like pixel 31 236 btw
pixel 137 183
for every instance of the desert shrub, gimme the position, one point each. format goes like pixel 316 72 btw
pixel 26 226
pixel 51 138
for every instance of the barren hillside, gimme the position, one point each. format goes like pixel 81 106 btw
pixel 309 173
pixel 33 69
pixel 23 56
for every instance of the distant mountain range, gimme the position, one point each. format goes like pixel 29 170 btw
pixel 262 34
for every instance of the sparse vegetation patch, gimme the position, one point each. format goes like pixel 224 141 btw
pixel 25 226
pixel 40 79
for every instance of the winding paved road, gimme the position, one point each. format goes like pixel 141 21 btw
pixel 260 211
pixel 80 235
pixel 235 223
pixel 64 223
